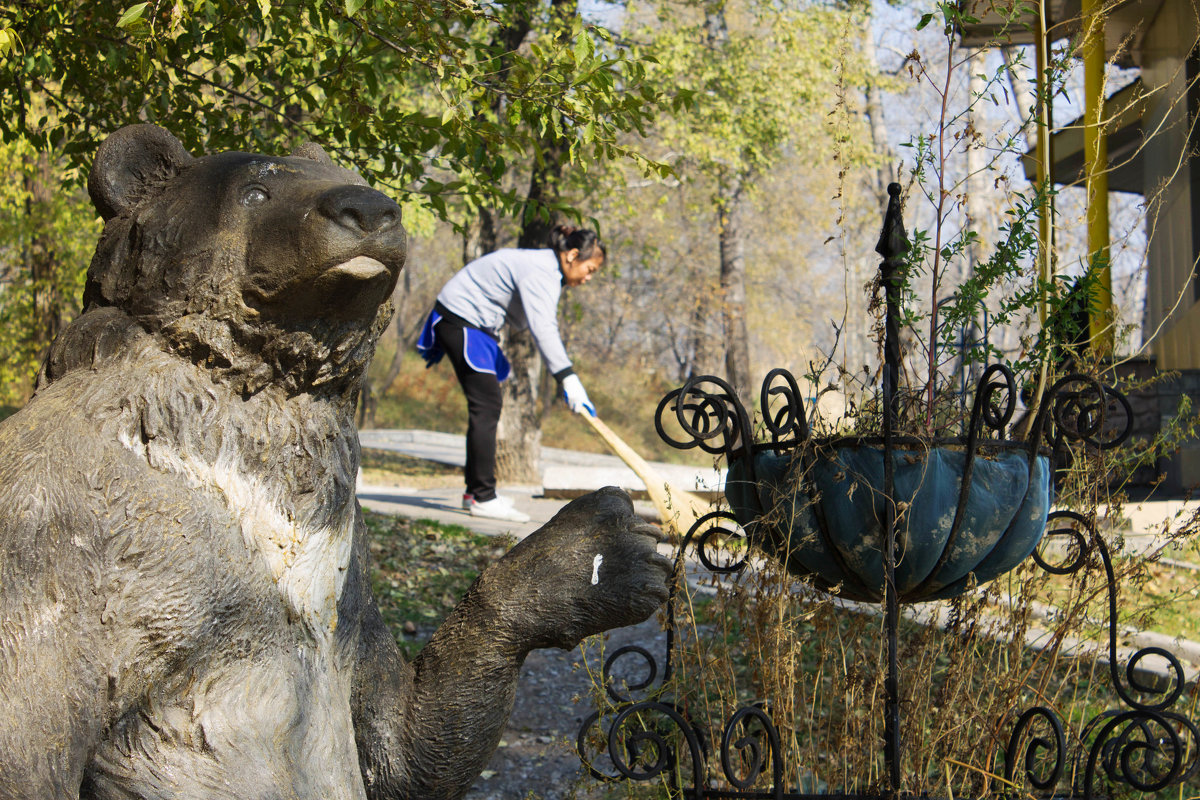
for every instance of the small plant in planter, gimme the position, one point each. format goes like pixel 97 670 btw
pixel 961 500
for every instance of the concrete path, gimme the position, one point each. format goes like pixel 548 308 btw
pixel 568 473
pixel 565 474
pixel 444 505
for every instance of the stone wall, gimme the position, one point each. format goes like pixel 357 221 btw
pixel 1155 401
pixel 1183 468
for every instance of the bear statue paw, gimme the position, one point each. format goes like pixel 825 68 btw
pixel 593 567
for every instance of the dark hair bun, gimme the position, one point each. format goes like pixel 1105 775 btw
pixel 566 237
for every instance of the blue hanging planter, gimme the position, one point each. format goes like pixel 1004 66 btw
pixel 825 514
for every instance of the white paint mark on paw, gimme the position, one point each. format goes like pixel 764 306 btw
pixel 596 562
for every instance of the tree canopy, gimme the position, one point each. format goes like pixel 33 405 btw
pixel 415 93
pixel 436 101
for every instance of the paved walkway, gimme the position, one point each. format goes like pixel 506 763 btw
pixel 445 506
pixel 565 474
pixel 568 473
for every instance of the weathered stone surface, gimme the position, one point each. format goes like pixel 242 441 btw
pixel 184 604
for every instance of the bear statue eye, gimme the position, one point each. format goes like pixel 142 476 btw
pixel 254 196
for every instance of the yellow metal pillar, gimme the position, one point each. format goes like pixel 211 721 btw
pixel 1044 156
pixel 1095 154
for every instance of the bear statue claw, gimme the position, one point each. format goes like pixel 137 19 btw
pixel 593 567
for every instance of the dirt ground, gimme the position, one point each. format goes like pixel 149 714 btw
pixel 536 759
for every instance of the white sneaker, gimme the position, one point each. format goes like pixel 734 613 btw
pixel 497 508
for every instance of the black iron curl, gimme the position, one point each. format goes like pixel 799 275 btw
pixel 749 746
pixel 1139 748
pixel 1037 749
pixel 700 421
pixel 1080 546
pixel 642 752
pixel 705 416
pixel 788 424
pixel 996 398
pixel 1139 685
pixel 714 536
pixel 1079 407
pixel 651 672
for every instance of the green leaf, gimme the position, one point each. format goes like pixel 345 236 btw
pixel 925 20
pixel 354 6
pixel 583 48
pixel 132 15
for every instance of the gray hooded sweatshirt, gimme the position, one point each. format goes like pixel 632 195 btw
pixel 520 288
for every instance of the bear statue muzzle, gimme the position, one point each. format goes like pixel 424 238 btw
pixel 337 259
pixel 365 212
pixel 359 208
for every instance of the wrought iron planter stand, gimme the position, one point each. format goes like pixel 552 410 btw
pixel 791 493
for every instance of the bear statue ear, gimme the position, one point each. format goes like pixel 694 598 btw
pixel 313 152
pixel 131 165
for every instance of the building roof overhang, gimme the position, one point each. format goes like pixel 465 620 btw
pixel 1004 22
pixel 1124 111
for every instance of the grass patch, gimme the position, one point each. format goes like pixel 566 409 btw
pixel 398 463
pixel 1151 596
pixel 420 569
pixel 390 468
pixel 1171 597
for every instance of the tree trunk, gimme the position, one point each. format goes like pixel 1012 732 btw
pixel 884 173
pixel 41 259
pixel 701 355
pixel 482 238
pixel 731 208
pixel 519 434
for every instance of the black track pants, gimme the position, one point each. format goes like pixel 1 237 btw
pixel 484 401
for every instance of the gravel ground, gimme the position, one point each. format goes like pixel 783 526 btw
pixel 536 759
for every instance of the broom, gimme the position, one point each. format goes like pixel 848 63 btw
pixel 678 509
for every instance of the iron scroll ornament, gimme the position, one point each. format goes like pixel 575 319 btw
pixel 1148 746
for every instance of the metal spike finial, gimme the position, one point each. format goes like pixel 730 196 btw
pixel 893 241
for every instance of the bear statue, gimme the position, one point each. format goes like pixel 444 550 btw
pixel 185 609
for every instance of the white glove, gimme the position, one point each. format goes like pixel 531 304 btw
pixel 576 396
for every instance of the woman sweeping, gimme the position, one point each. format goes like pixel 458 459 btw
pixel 520 288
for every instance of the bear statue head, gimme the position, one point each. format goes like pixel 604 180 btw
pixel 265 270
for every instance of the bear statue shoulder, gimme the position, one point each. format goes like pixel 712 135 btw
pixel 184 605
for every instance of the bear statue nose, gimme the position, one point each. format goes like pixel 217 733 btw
pixel 359 208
